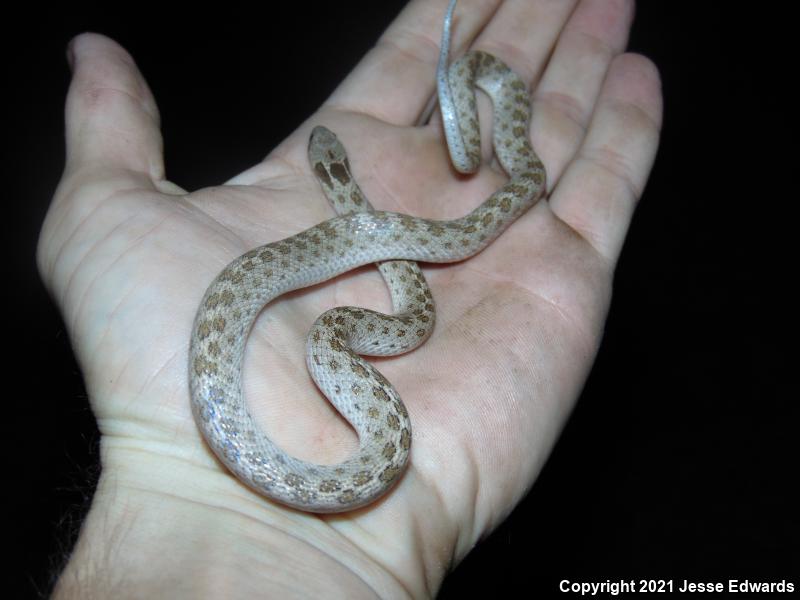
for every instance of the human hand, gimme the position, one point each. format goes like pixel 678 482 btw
pixel 128 255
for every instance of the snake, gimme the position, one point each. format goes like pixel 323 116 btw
pixel 359 235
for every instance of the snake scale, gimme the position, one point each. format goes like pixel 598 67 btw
pixel 357 237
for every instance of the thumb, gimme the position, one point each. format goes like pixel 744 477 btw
pixel 112 122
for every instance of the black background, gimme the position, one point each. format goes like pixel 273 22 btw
pixel 679 459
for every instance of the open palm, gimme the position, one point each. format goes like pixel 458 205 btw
pixel 128 255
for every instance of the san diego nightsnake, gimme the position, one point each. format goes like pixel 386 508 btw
pixel 357 237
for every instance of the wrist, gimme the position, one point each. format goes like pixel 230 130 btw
pixel 159 526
